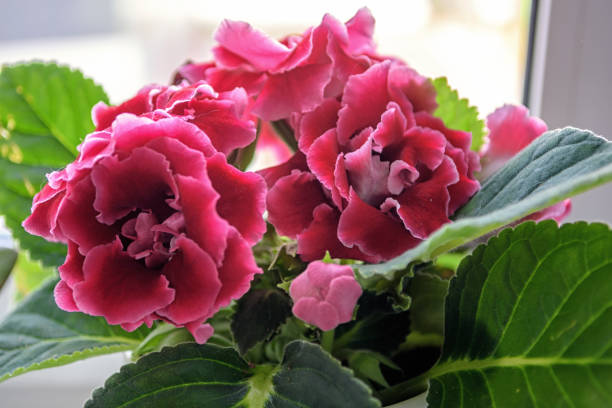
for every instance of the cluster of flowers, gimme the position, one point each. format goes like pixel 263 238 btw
pixel 160 227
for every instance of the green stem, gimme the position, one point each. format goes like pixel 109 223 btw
pixel 405 390
pixel 327 340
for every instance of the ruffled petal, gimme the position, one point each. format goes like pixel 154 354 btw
pixel 242 197
pixel 291 201
pixel 321 159
pixel 237 270
pixel 203 223
pixel 371 86
pixel 131 132
pixel 45 208
pixel 312 125
pixel 183 160
pixel 272 174
pixel 142 181
pixel 118 287
pixel 250 44
pixel 64 297
pixel 104 115
pixel 322 235
pixel 423 208
pixel 78 218
pixel 367 173
pixel 380 236
pixel 221 120
pixel 71 272
pixel 298 90
pixel 193 276
pixel 360 29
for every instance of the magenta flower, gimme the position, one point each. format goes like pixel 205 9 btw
pixel 291 75
pixel 376 172
pixel 325 294
pixel 158 225
pixel 511 129
pixel 221 115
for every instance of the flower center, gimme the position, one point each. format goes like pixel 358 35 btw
pixel 148 239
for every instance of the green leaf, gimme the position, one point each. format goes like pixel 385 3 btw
pixel 211 376
pixel 427 292
pixel 48 99
pixel 8 257
pixel 528 321
pixel 29 275
pixel 457 113
pixel 258 315
pixel 163 335
pixel 309 377
pixel 44 115
pixel 366 365
pixel 557 165
pixel 38 335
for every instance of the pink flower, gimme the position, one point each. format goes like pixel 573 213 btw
pixel 291 75
pixel 158 225
pixel 511 129
pixel 325 294
pixel 376 174
pixel 220 115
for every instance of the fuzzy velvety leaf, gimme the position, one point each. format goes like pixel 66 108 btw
pixel 258 315
pixel 528 321
pixel 559 164
pixel 8 257
pixel 44 115
pixel 39 335
pixel 211 376
pixel 309 377
pixel 457 113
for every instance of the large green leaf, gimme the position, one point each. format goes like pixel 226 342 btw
pixel 559 164
pixel 48 99
pixel 211 376
pixel 39 335
pixel 258 315
pixel 457 113
pixel 44 115
pixel 529 321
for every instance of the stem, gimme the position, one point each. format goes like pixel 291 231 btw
pixel 404 390
pixel 327 340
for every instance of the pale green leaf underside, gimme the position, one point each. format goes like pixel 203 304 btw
pixel 559 164
pixel 457 113
pixel 44 115
pixel 529 321
pixel 39 335
pixel 211 376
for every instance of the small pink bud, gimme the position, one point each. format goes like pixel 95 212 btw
pixel 325 294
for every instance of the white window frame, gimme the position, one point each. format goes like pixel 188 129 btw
pixel 571 80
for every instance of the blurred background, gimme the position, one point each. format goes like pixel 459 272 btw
pixel 480 45
pixel 124 44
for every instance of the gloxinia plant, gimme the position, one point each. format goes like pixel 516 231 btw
pixel 392 250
